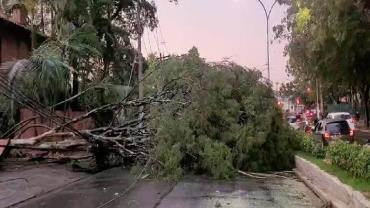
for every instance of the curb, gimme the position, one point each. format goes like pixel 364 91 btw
pixel 318 192
pixel 328 187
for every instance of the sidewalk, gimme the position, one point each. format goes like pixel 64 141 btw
pixel 362 126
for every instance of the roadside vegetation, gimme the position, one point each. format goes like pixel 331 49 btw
pixel 349 162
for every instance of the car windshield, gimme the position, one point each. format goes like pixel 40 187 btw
pixel 338 127
pixel 342 116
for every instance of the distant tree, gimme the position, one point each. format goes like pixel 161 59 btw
pixel 330 41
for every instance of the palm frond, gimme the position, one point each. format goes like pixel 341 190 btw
pixel 50 68
pixel 17 68
pixel 84 40
pixel 114 92
pixel 9 4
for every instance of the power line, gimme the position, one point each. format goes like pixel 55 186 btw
pixel 162 38
pixel 150 44
pixel 18 96
pixel 157 41
pixel 145 48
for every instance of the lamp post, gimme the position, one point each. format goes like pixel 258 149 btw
pixel 267 14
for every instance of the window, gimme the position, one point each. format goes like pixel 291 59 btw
pixel 338 128
pixel 343 116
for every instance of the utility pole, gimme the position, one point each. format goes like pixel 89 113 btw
pixel 267 14
pixel 321 100
pixel 317 100
pixel 140 31
pixel 140 55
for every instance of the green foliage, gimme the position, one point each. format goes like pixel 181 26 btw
pixel 361 166
pixel 6 117
pixel 88 42
pixel 217 160
pixel 360 184
pixel 351 157
pixel 172 156
pixel 329 41
pixel 232 121
pixel 303 17
pixel 308 145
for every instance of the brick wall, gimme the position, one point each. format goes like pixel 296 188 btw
pixel 14 47
pixel 19 15
pixel 32 130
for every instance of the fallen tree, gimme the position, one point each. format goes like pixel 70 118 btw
pixel 220 119
pixel 126 142
pixel 233 122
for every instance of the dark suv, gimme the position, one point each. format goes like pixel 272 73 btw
pixel 328 130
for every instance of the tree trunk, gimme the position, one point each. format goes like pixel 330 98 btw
pixel 33 33
pixel 42 18
pixel 75 91
pixel 52 21
pixel 366 105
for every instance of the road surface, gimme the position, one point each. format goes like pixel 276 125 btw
pixel 113 188
pixel 362 136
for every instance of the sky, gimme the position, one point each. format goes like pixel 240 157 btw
pixel 234 29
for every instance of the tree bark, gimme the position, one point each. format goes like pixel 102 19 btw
pixel 42 18
pixel 33 33
pixel 366 97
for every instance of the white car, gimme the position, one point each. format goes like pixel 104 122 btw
pixel 343 115
pixel 293 122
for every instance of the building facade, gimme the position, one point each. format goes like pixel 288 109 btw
pixel 15 38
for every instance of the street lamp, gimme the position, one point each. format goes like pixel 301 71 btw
pixel 268 13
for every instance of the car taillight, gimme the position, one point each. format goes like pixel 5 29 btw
pixel 327 135
pixel 351 132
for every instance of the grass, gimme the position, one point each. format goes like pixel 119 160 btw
pixel 359 184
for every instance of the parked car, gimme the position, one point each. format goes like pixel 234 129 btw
pixel 343 115
pixel 331 130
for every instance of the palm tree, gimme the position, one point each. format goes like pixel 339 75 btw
pixel 89 43
pixel 46 75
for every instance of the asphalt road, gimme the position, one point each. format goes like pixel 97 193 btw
pixel 113 188
pixel 20 182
